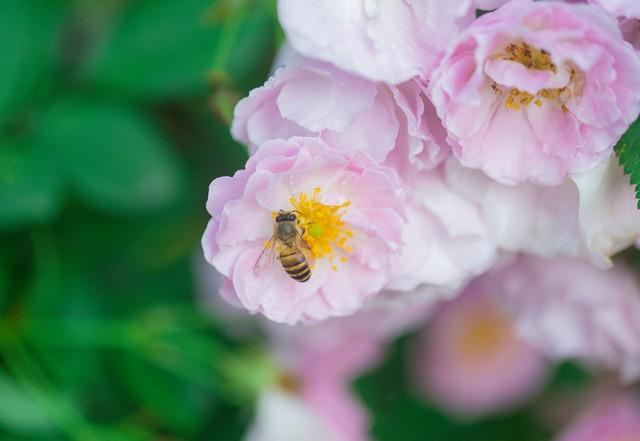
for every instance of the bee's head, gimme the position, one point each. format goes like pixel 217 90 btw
pixel 285 216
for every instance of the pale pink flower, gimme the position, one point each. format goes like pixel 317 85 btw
pixel 536 90
pixel 628 14
pixel 591 215
pixel 383 40
pixel 351 212
pixel 446 240
pixel 568 309
pixel 614 419
pixel 397 124
pixel 620 8
pixel 470 360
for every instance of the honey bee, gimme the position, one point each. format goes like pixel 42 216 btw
pixel 288 246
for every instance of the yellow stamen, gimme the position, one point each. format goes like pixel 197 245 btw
pixel 322 225
pixel 483 334
pixel 529 56
pixel 535 59
pixel 288 382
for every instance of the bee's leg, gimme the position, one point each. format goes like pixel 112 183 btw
pixel 302 229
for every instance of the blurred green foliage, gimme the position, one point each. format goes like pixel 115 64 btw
pixel 113 120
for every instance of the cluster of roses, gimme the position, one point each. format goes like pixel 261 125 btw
pixel 427 152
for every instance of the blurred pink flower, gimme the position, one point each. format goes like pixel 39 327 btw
pixel 470 360
pixel 326 375
pixel 570 310
pixel 591 215
pixel 382 40
pixel 351 206
pixel 284 416
pixel 316 401
pixel 397 124
pixel 631 31
pixel 322 360
pixel 614 419
pixel 536 90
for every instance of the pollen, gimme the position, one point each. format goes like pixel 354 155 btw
pixel 536 59
pixel 322 226
pixel 529 56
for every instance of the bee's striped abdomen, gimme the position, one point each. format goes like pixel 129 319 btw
pixel 295 264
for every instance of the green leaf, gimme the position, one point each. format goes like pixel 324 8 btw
pixel 18 412
pixel 156 49
pixel 172 364
pixel 229 423
pixel 28 39
pixel 4 282
pixel 30 185
pixel 247 44
pixel 628 152
pixel 114 157
pixel 179 407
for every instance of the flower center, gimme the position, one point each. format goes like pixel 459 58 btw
pixel 535 59
pixel 483 335
pixel 529 56
pixel 288 382
pixel 322 225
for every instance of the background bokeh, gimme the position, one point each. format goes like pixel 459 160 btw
pixel 114 118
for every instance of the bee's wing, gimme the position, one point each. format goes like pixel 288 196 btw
pixel 266 258
pixel 305 248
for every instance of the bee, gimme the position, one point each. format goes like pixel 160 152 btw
pixel 290 248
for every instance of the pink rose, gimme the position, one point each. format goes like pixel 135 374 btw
pixel 536 90
pixel 315 401
pixel 470 361
pixel 620 8
pixel 284 416
pixel 614 419
pixel 628 14
pixel 321 361
pixel 446 239
pixel 326 374
pixel 382 40
pixel 568 309
pixel 591 215
pixel 396 124
pixel 349 213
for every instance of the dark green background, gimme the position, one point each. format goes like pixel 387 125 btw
pixel 113 121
